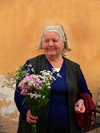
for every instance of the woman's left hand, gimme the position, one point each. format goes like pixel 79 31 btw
pixel 79 106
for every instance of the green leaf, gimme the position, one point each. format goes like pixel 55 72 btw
pixel 24 100
pixel 43 102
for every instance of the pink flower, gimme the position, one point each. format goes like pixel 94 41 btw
pixel 27 82
pixel 28 78
pixel 23 86
pixel 24 92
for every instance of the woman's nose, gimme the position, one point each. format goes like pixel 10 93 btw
pixel 50 43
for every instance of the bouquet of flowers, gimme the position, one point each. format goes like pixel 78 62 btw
pixel 35 88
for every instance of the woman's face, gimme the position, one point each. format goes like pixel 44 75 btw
pixel 52 44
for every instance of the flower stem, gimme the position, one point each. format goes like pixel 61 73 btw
pixel 34 128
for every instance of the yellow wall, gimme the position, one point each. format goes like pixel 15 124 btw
pixel 21 26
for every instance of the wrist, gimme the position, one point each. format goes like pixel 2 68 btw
pixel 28 112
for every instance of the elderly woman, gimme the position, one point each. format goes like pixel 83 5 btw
pixel 58 116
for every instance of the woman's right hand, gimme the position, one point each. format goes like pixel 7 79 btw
pixel 30 118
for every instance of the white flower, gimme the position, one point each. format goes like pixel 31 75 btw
pixel 29 65
pixel 31 95
pixel 39 95
pixel 58 75
pixel 43 81
pixel 54 78
pixel 53 70
pixel 49 87
pixel 17 68
pixel 43 97
pixel 48 83
pixel 31 83
pixel 39 76
pixel 32 69
pixel 51 77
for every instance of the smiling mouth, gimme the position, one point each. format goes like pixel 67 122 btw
pixel 51 49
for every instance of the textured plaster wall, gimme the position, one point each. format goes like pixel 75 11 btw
pixel 8 113
pixel 21 26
